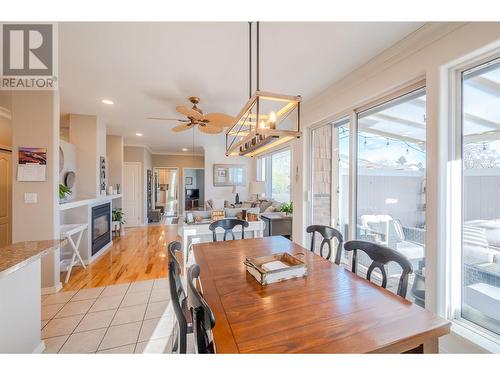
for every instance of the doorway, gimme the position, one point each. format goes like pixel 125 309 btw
pixel 194 189
pixel 165 190
pixel 132 194
pixel 5 197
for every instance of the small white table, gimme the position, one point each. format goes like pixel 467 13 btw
pixel 66 232
pixel 198 233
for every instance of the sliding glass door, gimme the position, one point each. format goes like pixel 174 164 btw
pixel 480 196
pixel 390 199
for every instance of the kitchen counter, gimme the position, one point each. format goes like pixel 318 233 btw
pixel 20 254
pixel 20 295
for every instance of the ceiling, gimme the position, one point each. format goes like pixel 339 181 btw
pixel 149 68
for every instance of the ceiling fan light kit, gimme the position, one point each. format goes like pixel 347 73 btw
pixel 265 121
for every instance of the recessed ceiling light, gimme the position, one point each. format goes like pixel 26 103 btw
pixel 107 101
pixel 139 134
pixel 185 149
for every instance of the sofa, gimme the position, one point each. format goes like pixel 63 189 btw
pixel 263 205
pixel 481 241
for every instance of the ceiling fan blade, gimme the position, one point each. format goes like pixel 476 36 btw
pixel 180 128
pixel 167 119
pixel 209 129
pixel 188 112
pixel 220 119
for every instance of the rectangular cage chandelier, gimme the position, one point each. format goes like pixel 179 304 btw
pixel 265 121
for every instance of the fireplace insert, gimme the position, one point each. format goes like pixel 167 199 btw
pixel 101 227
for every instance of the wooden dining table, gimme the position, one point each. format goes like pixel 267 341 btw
pixel 331 310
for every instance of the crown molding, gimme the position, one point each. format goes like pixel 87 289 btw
pixel 176 153
pixel 138 145
pixel 4 112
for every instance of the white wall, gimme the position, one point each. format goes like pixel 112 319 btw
pixel 421 55
pixel 69 152
pixel 215 154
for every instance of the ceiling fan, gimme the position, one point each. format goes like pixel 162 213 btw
pixel 211 123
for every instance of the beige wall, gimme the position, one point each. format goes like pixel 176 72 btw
pixel 83 133
pixel 180 162
pixel 5 131
pixel 114 151
pixel 35 123
pixel 421 55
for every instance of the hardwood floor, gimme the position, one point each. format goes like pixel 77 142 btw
pixel 140 254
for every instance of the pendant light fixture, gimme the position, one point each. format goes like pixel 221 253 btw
pixel 266 120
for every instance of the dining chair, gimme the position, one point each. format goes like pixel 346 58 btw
pixel 203 317
pixel 228 225
pixel 327 233
pixel 178 298
pixel 380 256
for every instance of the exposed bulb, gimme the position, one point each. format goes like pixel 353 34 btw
pixel 272 116
pixel 262 125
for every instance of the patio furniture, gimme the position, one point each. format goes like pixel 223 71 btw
pixel 328 233
pixel 203 317
pixel 178 298
pixel 386 231
pixel 476 242
pixel 418 288
pixel 228 225
pixel 380 257
pixel 484 298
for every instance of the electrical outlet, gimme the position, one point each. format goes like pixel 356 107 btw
pixel 30 197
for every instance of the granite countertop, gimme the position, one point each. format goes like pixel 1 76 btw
pixel 18 255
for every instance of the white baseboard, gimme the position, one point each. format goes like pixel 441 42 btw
pixel 52 289
pixel 39 348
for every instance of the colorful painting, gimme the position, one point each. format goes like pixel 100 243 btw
pixel 32 155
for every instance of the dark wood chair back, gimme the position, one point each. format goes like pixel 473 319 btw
pixel 178 297
pixel 327 233
pixel 380 256
pixel 228 225
pixel 203 317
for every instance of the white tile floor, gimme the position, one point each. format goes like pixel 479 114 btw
pixel 126 318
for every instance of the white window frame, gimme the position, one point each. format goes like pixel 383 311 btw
pixel 347 119
pixel 450 262
pixel 269 169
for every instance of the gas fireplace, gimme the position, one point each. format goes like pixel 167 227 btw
pixel 101 227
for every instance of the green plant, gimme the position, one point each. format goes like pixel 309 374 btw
pixel 118 215
pixel 287 208
pixel 64 191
